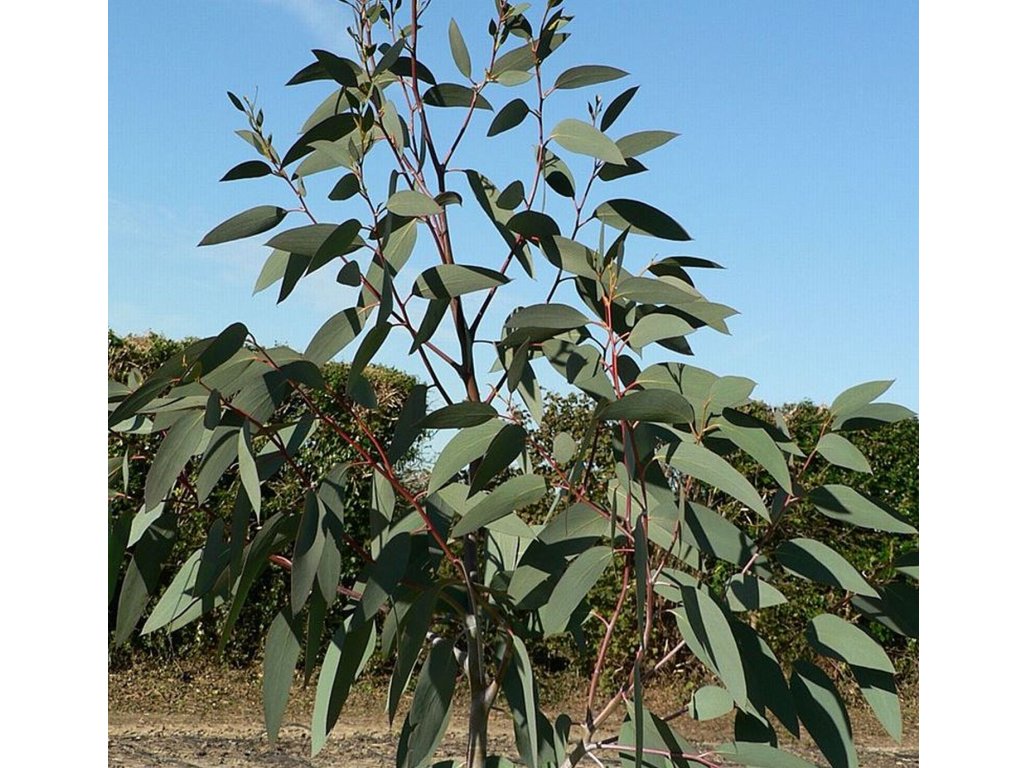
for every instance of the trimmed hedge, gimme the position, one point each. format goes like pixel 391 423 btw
pixel 892 451
pixel 137 356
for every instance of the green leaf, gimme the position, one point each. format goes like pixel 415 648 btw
pixel 714 534
pixel 833 636
pixel 816 561
pixel 414 628
pixel 564 447
pixel 704 627
pixel 383 577
pixel 657 326
pixel 280 656
pixel 533 225
pixel 349 274
pixel 616 106
pixel 750 593
pixel 873 415
pixel 502 451
pixel 635 144
pixel 908 564
pixel 409 202
pixel 446 281
pixel 466 446
pixel 573 586
pixel 856 398
pixel 559 317
pixel 273 270
pixel 460 54
pixel 514 494
pixel 652 405
pixel 710 702
pixel 840 452
pixel 345 188
pixel 454 95
pixel 849 506
pixel 510 116
pixel 248 469
pixel 343 661
pixel 332 337
pixel 822 711
pixel 518 686
pixel 251 169
pixel 558 176
pixel 583 139
pixel 702 464
pixel 589 74
pixel 428 718
pixel 406 432
pixel 245 224
pixel 512 196
pixel 341 70
pixel 761 755
pixel 330 129
pixel 309 546
pixel 641 217
pixel 758 444
pixel 459 415
pixel 181 442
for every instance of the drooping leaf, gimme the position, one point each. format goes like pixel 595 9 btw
pixel 383 577
pixel 272 271
pixel 332 337
pixel 510 116
pixel 454 95
pixel 181 442
pixel 518 687
pixel 429 712
pixel 409 202
pixel 502 451
pixel 514 494
pixel 714 534
pixel 245 224
pixel 840 452
pixel 330 129
pixel 702 464
pixel 248 473
pixel 446 281
pixel 848 505
pixel 823 713
pixel 589 74
pixel 558 175
pixel 641 217
pixel 873 415
pixel 343 661
pixel 572 587
pixel 414 628
pixel 584 139
pixel 704 627
pixel 466 446
pixel 281 653
pixel 832 636
pixel 309 545
pixel 460 54
pixel 816 561
pixel 345 188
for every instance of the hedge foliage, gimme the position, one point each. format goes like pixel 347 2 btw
pixel 137 356
pixel 892 451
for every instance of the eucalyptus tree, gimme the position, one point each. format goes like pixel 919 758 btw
pixel 462 568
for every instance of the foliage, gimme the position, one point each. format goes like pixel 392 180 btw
pixel 455 583
pixel 140 356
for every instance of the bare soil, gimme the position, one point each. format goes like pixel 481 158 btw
pixel 204 715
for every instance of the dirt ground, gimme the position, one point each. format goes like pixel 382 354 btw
pixel 198 716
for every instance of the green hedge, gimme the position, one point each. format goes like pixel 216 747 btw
pixel 893 453
pixel 133 357
pixel 892 450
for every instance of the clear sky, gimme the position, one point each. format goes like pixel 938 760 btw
pixel 796 169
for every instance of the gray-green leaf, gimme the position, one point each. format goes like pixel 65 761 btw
pixel 245 224
pixel 583 139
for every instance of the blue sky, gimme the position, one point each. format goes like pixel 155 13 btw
pixel 796 169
